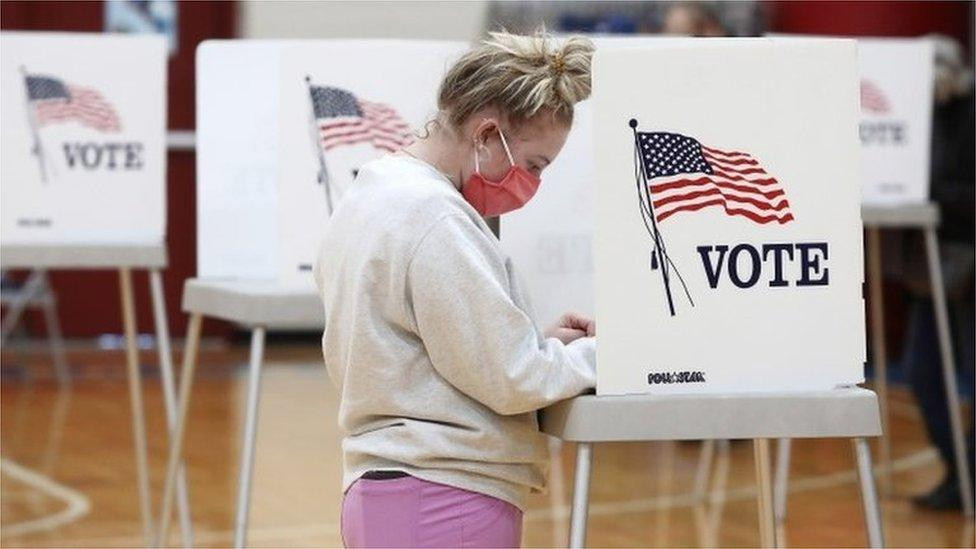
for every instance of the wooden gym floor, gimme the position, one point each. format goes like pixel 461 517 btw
pixel 68 474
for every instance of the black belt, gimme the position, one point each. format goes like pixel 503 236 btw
pixel 383 475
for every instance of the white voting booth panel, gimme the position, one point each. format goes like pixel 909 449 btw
pixel 83 138
pixel 746 171
pixel 237 127
pixel 896 119
pixel 300 158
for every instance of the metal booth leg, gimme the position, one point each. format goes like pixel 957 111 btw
pixel 781 479
pixel 247 444
pixel 869 497
pixel 31 286
pixel 55 340
pixel 665 450
pixel 880 355
pixel 557 491
pixel 706 456
pixel 949 370
pixel 764 493
pixel 709 491
pixel 135 396
pixel 174 462
pixel 169 401
pixel 37 288
pixel 581 495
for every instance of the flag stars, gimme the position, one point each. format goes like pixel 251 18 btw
pixel 666 154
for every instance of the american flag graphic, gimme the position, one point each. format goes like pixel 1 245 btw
pixel 683 175
pixel 344 119
pixel 55 101
pixel 872 98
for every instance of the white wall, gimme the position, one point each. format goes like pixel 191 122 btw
pixel 448 20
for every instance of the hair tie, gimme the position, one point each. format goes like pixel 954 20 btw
pixel 558 64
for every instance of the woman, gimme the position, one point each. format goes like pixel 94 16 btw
pixel 428 334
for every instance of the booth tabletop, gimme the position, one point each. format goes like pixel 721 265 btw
pixel 901 215
pixel 255 303
pixel 83 256
pixel 843 412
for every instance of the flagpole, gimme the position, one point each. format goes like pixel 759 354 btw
pixel 323 175
pixel 658 240
pixel 38 149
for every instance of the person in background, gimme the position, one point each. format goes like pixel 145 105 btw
pixel 692 19
pixel 952 180
pixel 428 333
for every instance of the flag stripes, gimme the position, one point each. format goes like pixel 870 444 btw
pixel 685 176
pixel 86 106
pixel 872 98
pixel 344 119
pixel 379 124
pixel 55 101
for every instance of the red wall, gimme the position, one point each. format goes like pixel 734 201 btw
pixel 89 300
pixel 873 18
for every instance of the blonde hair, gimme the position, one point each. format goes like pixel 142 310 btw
pixel 520 75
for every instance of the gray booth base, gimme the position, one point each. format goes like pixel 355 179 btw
pixel 82 256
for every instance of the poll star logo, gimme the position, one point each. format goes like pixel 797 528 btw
pixel 340 118
pixel 52 100
pixel 676 174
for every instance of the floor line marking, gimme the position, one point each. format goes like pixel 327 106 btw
pixel 78 504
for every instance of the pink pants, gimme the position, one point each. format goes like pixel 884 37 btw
pixel 409 512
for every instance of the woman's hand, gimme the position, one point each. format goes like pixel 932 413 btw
pixel 572 326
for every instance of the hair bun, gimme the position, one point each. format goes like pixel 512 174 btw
pixel 523 75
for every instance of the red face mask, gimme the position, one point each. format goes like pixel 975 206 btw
pixel 492 198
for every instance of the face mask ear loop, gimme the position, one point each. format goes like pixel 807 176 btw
pixel 477 164
pixel 504 144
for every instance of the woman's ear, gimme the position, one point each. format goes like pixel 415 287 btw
pixel 484 130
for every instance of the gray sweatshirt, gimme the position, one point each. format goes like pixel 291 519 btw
pixel 439 364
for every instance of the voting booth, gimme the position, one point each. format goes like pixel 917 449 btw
pixel 82 183
pixel 283 127
pixel 727 255
pixel 896 118
pixel 550 239
pixel 896 96
pixel 742 247
pixel 84 120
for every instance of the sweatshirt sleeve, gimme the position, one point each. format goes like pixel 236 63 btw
pixel 477 338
